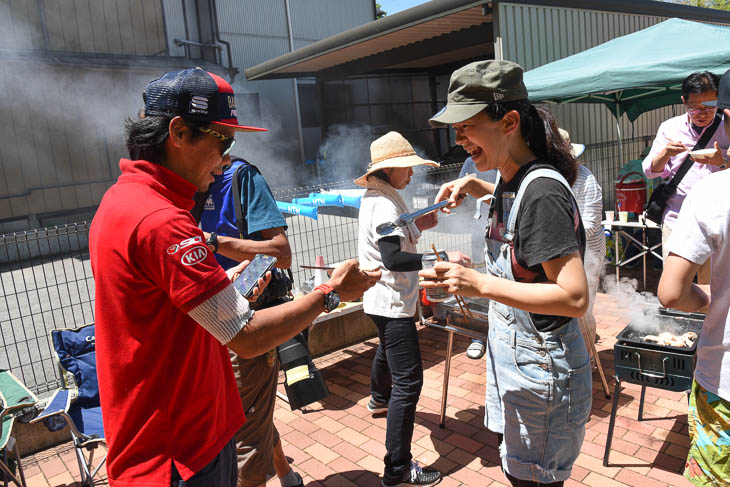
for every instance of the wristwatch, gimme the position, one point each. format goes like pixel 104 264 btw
pixel 331 298
pixel 213 240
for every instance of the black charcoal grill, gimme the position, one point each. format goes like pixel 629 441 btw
pixel 651 364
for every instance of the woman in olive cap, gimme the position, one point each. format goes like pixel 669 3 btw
pixel 538 371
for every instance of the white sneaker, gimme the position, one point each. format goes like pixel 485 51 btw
pixel 475 350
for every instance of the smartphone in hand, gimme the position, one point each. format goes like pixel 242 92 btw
pixel 256 269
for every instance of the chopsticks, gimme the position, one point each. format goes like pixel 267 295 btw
pixel 459 299
pixel 317 267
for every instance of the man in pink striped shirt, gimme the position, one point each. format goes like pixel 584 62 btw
pixel 678 135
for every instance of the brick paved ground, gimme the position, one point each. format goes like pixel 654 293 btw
pixel 339 443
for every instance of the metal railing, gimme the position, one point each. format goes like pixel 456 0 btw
pixel 334 235
pixel 602 160
pixel 46 283
pixel 46 280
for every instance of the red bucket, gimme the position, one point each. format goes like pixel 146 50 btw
pixel 631 195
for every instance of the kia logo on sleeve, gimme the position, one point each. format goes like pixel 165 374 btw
pixel 194 255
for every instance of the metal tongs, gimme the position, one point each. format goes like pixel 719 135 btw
pixel 406 218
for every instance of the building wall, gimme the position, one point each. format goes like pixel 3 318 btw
pixel 260 32
pixel 63 101
pixel 101 26
pixel 63 117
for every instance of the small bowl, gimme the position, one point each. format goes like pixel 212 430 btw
pixel 702 153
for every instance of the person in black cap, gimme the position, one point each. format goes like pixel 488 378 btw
pixel 165 310
pixel 539 387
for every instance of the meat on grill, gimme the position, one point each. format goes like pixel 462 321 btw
pixel 669 339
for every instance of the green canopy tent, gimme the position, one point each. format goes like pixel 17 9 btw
pixel 635 73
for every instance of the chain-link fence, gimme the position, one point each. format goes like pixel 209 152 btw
pixel 334 234
pixel 602 159
pixel 47 282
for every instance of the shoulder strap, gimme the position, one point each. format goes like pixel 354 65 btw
pixel 537 173
pixel 701 143
pixel 237 204
pixel 200 199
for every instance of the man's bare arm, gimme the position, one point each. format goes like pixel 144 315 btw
pixel 271 327
pixel 676 289
pixel 275 244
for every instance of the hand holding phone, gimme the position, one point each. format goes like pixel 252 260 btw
pixel 255 270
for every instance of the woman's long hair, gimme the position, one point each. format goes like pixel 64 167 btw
pixel 540 131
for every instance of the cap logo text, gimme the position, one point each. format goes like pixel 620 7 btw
pixel 231 102
pixel 498 96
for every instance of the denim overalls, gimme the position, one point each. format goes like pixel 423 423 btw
pixel 538 383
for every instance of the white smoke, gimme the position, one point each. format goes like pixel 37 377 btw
pixel 345 153
pixel 642 307
pixel 274 153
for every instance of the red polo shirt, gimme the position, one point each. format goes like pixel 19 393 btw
pixel 168 393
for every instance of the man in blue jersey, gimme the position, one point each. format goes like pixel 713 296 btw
pixel 242 220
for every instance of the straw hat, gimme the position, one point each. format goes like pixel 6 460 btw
pixel 576 149
pixel 392 150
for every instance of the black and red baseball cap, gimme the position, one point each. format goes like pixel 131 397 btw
pixel 195 95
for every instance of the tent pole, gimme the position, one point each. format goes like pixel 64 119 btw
pixel 620 142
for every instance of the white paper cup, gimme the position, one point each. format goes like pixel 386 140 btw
pixel 609 215
pixel 623 216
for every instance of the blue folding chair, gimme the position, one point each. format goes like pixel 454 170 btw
pixel 14 398
pixel 76 355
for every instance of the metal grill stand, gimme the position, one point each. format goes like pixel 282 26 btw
pixel 651 365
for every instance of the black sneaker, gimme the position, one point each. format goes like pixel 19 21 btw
pixel 377 407
pixel 417 476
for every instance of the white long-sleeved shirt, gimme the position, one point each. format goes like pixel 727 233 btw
pixel 588 195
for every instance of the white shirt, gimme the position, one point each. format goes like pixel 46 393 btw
pixel 395 295
pixel 702 231
pixel 590 205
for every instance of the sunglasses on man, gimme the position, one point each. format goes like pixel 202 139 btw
pixel 699 108
pixel 228 142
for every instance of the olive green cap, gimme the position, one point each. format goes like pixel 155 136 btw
pixel 478 84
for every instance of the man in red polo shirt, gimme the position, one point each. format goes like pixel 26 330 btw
pixel 165 309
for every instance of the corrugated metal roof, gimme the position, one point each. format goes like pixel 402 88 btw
pixel 427 21
pixel 384 41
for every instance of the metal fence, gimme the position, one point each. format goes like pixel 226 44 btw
pixel 603 161
pixel 47 282
pixel 334 234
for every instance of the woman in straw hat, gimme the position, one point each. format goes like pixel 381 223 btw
pixel 538 372
pixel 396 376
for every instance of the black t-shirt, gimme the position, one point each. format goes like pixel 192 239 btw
pixel 545 228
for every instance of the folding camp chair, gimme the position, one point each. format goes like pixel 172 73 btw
pixel 76 354
pixel 14 397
